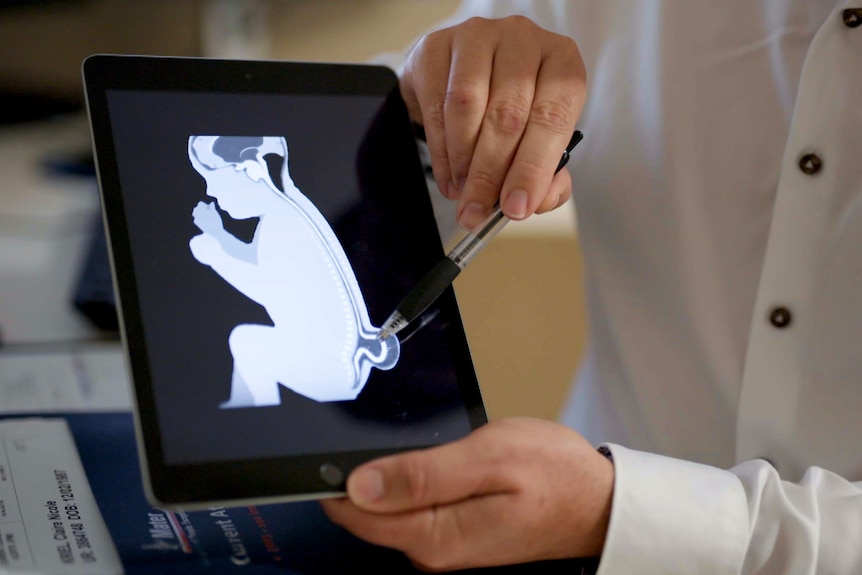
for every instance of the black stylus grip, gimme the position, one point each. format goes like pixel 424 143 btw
pixel 428 289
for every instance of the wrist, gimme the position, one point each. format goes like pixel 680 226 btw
pixel 596 535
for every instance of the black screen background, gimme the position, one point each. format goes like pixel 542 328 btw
pixel 352 157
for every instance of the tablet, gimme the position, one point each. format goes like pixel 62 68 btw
pixel 263 220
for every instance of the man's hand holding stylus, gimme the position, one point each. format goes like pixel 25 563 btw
pixel 498 100
pixel 513 491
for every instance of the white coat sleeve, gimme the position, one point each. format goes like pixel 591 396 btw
pixel 671 516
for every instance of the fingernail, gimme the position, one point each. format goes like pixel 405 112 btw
pixel 472 216
pixel 515 205
pixel 366 486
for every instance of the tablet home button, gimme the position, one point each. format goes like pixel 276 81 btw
pixel 331 474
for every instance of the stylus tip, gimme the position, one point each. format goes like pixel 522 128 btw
pixel 393 325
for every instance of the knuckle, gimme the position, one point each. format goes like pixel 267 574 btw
pixel 519 23
pixel 557 116
pixel 532 176
pixel 531 169
pixel 564 44
pixel 437 549
pixel 416 482
pixel 430 43
pixel 463 93
pixel 433 117
pixel 474 24
pixel 486 183
pixel 461 157
pixel 509 116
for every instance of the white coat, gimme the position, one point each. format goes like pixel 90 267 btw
pixel 719 201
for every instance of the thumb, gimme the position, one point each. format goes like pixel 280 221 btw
pixel 422 479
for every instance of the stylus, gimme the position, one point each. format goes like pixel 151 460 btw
pixel 444 273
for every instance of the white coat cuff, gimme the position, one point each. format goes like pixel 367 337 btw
pixel 671 516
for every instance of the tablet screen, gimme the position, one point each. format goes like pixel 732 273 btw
pixel 260 236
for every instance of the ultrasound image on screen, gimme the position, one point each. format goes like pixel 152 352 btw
pixel 321 343
pixel 268 236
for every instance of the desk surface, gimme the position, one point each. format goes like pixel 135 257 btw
pixel 46 222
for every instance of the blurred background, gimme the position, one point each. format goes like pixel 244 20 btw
pixel 521 299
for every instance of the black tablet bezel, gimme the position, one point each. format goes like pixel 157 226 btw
pixel 189 485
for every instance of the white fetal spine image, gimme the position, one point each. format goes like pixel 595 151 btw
pixel 321 344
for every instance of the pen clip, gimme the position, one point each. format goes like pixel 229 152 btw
pixel 577 136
